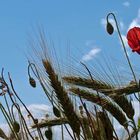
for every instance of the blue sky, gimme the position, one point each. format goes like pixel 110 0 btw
pixel 80 22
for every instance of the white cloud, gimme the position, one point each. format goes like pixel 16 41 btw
pixel 39 108
pixel 38 111
pixel 58 131
pixel 125 41
pixel 126 4
pixel 89 42
pixel 135 22
pixel 112 21
pixel 36 108
pixel 122 25
pixel 92 53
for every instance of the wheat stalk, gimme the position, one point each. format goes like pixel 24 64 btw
pixel 103 102
pixel 51 122
pixel 102 86
pixel 126 105
pixel 94 84
pixel 107 90
pixel 106 124
pixel 62 97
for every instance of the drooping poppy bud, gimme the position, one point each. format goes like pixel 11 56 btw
pixel 133 37
pixel 36 121
pixel 56 112
pixel 81 110
pixel 32 82
pixel 16 126
pixel 48 134
pixel 2 86
pixel 109 28
pixel 36 138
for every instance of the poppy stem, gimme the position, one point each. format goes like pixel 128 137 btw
pixel 127 57
pixel 124 48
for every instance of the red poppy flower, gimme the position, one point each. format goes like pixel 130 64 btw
pixel 133 37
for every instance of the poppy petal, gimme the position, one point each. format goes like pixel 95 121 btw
pixel 133 37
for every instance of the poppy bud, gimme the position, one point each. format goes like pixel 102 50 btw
pixel 36 138
pixel 16 126
pixel 48 134
pixel 2 86
pixel 32 82
pixel 56 112
pixel 80 107
pixel 109 28
pixel 36 121
pixel 47 115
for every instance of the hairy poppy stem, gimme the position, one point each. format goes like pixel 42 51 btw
pixel 35 71
pixel 34 120
pixel 8 119
pixel 119 33
pixel 124 48
pixel 23 119
pixel 127 57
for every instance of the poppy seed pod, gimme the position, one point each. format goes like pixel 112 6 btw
pixel 36 121
pixel 56 112
pixel 48 134
pixel 36 138
pixel 32 82
pixel 109 28
pixel 80 107
pixel 16 126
